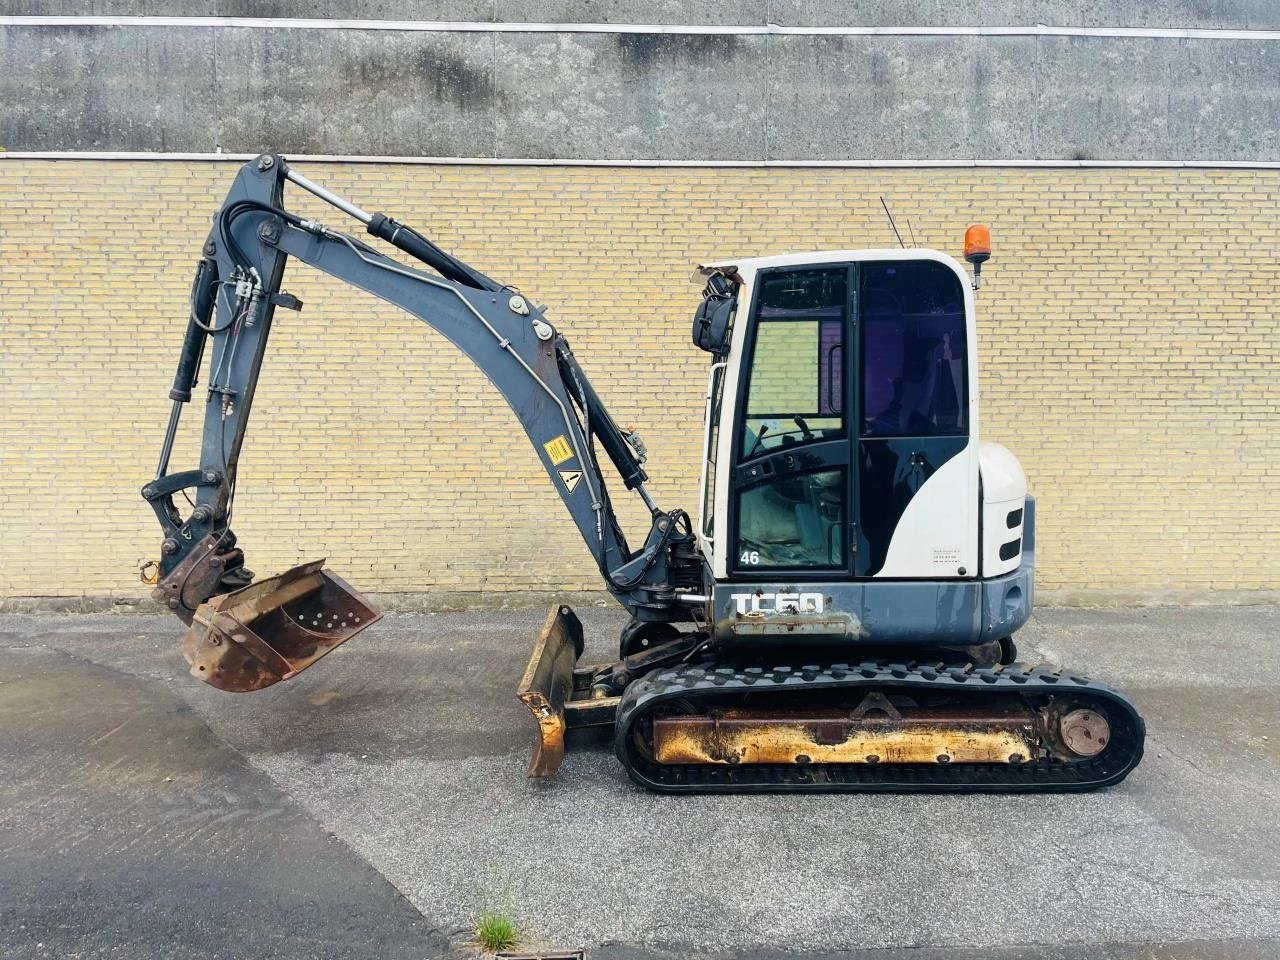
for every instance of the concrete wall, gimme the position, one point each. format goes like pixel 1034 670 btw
pixel 626 96
pixel 1221 14
pixel 1128 340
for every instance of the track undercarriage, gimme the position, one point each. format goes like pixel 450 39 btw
pixel 685 723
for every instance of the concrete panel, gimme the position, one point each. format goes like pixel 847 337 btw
pixel 1153 99
pixel 511 11
pixel 246 90
pixel 356 92
pixel 1225 94
pixel 87 89
pixel 1222 14
pixel 630 96
pixel 723 12
pixel 1208 14
pixel 324 9
pixel 890 98
pixel 1107 100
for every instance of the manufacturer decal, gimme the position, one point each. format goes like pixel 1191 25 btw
pixel 765 603
pixel 570 479
pixel 558 450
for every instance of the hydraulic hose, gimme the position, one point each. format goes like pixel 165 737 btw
pixel 420 248
pixel 400 236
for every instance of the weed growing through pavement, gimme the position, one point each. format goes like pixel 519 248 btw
pixel 497 929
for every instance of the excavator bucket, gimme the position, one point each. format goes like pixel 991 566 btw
pixel 548 684
pixel 274 629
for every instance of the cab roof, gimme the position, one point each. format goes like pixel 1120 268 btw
pixel 832 256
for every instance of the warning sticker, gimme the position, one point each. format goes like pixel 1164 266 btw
pixel 558 450
pixel 570 478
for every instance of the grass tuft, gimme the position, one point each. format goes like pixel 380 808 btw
pixel 496 931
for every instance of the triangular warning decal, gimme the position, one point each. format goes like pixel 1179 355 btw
pixel 570 478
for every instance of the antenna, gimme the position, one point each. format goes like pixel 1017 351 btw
pixel 911 232
pixel 891 223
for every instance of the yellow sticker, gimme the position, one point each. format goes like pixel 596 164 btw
pixel 558 450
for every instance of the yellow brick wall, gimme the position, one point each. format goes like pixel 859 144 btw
pixel 784 375
pixel 1129 337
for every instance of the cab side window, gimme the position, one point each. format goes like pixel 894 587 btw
pixel 914 364
pixel 795 382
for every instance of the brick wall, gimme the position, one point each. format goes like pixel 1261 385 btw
pixel 1128 336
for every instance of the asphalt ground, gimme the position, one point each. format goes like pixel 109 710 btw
pixel 377 804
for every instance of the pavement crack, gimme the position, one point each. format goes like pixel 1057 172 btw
pixel 112 732
pixel 1164 748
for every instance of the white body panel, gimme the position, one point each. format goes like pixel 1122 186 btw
pixel 959 489
pixel 1004 494
pixel 937 535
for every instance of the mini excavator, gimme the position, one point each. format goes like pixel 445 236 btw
pixel 839 617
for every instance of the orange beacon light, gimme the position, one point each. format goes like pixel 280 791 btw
pixel 977 249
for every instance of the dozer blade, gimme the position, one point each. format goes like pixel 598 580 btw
pixel 274 629
pixel 548 683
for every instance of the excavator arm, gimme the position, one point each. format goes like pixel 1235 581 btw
pixel 246 635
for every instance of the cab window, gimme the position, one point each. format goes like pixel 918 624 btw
pixel 796 521
pixel 795 382
pixel 914 362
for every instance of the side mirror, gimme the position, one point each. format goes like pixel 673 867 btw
pixel 714 316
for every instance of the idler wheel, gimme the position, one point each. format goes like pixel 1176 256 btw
pixel 1084 732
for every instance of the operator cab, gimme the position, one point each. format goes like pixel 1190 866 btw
pixel 841 437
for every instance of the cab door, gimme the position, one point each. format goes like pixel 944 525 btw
pixel 916 470
pixel 792 490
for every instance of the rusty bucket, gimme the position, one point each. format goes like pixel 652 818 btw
pixel 274 629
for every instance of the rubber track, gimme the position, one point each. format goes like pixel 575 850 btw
pixel 697 684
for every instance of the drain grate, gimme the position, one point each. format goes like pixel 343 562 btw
pixel 552 955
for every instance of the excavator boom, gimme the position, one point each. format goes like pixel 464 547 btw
pixel 247 636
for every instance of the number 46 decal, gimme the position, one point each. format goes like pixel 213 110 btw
pixel 750 557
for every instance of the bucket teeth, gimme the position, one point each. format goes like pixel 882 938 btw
pixel 274 629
